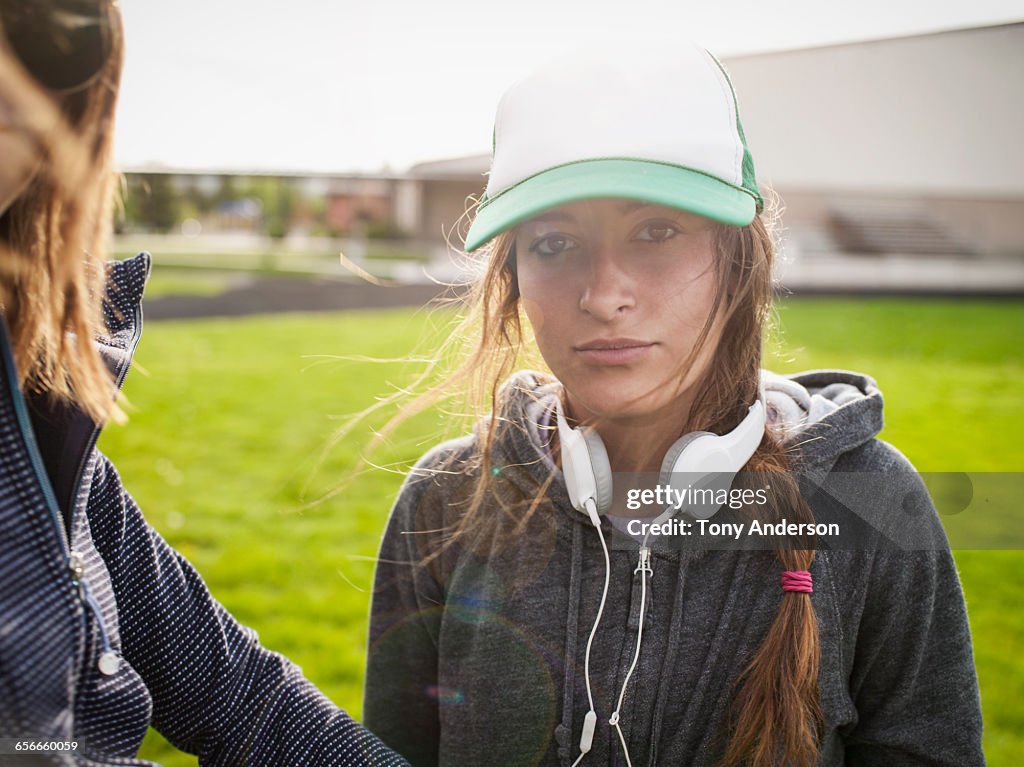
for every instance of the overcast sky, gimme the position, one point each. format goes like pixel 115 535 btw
pixel 333 85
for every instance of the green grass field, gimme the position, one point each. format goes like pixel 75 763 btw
pixel 230 419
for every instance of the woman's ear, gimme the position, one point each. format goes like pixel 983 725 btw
pixel 512 269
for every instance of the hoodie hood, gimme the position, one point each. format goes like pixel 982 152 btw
pixel 823 413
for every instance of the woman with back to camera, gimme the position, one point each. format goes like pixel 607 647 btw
pixel 623 219
pixel 104 629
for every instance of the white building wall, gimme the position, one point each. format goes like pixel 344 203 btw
pixel 936 114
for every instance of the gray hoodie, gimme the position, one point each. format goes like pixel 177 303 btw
pixel 477 649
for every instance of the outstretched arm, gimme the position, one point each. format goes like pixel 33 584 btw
pixel 216 691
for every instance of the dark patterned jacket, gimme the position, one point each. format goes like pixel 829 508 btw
pixel 105 629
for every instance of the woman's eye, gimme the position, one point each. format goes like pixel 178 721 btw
pixel 657 233
pixel 552 245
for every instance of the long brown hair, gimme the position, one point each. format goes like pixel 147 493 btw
pixel 776 717
pixel 53 237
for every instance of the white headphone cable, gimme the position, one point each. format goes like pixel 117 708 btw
pixel 590 720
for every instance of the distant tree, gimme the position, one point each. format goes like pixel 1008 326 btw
pixel 279 199
pixel 198 201
pixel 150 203
pixel 383 230
pixel 281 209
pixel 227 191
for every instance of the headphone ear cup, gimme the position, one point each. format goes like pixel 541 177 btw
pixel 668 464
pixel 602 470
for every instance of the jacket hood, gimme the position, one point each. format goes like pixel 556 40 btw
pixel 821 414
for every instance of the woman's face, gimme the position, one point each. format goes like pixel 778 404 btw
pixel 618 292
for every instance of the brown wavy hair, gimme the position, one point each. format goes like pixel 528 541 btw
pixel 53 237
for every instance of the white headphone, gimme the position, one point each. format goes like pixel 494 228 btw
pixel 699 459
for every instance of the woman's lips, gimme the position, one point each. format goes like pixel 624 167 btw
pixel 614 351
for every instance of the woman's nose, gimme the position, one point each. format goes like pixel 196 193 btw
pixel 607 291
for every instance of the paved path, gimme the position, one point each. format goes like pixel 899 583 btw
pixel 267 295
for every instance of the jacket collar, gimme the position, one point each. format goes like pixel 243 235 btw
pixel 64 434
pixel 122 309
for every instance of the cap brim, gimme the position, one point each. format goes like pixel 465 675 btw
pixel 659 183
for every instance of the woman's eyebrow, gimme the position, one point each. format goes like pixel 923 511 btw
pixel 551 215
pixel 631 206
pixel 624 208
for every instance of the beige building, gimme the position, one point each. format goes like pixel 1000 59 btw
pixel 438 196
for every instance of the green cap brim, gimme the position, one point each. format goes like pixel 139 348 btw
pixel 659 183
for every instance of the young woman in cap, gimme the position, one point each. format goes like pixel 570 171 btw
pixel 623 221
pixel 104 629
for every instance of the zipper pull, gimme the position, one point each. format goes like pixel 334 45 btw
pixel 643 569
pixel 109 662
pixel 643 564
pixel 76 566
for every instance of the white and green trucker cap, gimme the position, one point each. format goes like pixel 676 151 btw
pixel 658 124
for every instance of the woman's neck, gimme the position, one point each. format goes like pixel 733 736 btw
pixel 639 443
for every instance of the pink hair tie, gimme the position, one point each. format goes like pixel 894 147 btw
pixel 797 580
